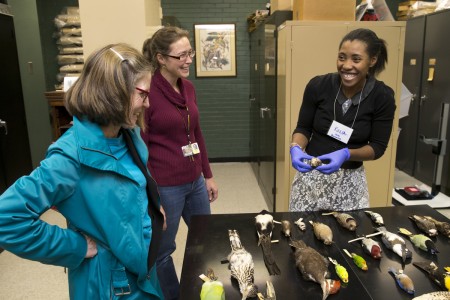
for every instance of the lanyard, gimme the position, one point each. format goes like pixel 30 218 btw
pixel 359 103
pixel 188 125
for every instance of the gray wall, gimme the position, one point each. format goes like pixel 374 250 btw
pixel 223 102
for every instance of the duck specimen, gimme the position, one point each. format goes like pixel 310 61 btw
pixel 313 266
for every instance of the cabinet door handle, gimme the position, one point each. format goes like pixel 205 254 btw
pixel 4 125
pixel 265 110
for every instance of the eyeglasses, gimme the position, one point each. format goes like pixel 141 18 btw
pixel 183 56
pixel 143 94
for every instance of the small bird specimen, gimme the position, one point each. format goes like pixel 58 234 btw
pixel 286 228
pixel 301 225
pixel 270 292
pixel 395 242
pixel 242 266
pixel 439 277
pixel 376 217
pixel 425 225
pixel 420 241
pixel 434 296
pixel 264 227
pixel 358 260
pixel 370 246
pixel 442 227
pixel 313 266
pixel 322 232
pixel 403 280
pixel 344 219
pixel 341 271
pixel 212 289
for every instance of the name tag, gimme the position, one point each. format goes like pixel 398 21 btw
pixel 340 132
pixel 190 149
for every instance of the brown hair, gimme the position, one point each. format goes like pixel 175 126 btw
pixel 160 43
pixel 106 85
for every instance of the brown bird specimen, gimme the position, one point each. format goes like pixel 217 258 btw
pixel 442 227
pixel 425 225
pixel 344 219
pixel 242 266
pixel 322 232
pixel 314 267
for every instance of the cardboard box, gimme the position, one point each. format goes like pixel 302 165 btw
pixel 281 5
pixel 324 10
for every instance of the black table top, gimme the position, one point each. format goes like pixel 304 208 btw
pixel 208 245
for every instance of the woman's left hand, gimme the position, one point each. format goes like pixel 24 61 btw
pixel 164 214
pixel 211 187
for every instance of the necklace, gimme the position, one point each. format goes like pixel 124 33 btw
pixel 359 103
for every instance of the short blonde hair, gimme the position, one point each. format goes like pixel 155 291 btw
pixel 106 85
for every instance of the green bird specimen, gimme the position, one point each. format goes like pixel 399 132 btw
pixel 211 288
pixel 358 260
pixel 420 241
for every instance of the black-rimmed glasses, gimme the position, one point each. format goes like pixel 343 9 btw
pixel 143 94
pixel 183 56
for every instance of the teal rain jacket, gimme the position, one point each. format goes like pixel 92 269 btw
pixel 98 197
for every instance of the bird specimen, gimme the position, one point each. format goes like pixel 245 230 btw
pixel 341 271
pixel 241 266
pixel 301 225
pixel 344 219
pixel 322 232
pixel 369 245
pixel 403 280
pixel 439 277
pixel 376 217
pixel 359 261
pixel 395 242
pixel 270 292
pixel 212 289
pixel 420 241
pixel 286 228
pixel 313 266
pixel 442 227
pixel 264 227
pixel 425 225
pixel 434 296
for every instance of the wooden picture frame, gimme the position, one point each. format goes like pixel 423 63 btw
pixel 215 46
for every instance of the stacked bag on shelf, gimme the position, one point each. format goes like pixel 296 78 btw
pixel 70 44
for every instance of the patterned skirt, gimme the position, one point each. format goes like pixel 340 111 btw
pixel 343 190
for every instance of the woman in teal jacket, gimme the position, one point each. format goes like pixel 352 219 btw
pixel 95 176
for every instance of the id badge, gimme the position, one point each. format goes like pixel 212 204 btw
pixel 340 132
pixel 195 148
pixel 187 150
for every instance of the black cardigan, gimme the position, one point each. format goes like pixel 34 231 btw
pixel 373 123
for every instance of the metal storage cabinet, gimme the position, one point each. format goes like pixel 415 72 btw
pixel 15 157
pixel 263 99
pixel 307 49
pixel 412 78
pixel 435 91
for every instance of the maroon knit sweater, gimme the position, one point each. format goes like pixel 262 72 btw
pixel 166 133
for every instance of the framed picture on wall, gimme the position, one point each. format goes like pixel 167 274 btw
pixel 215 46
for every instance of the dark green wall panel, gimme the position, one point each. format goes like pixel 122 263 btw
pixel 223 102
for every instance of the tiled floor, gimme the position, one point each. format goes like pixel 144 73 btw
pixel 238 193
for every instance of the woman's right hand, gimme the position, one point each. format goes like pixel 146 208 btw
pixel 297 157
pixel 92 247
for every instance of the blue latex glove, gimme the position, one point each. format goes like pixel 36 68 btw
pixel 336 159
pixel 297 157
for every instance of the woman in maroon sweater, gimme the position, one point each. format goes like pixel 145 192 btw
pixel 177 151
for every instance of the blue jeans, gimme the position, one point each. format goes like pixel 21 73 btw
pixel 178 201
